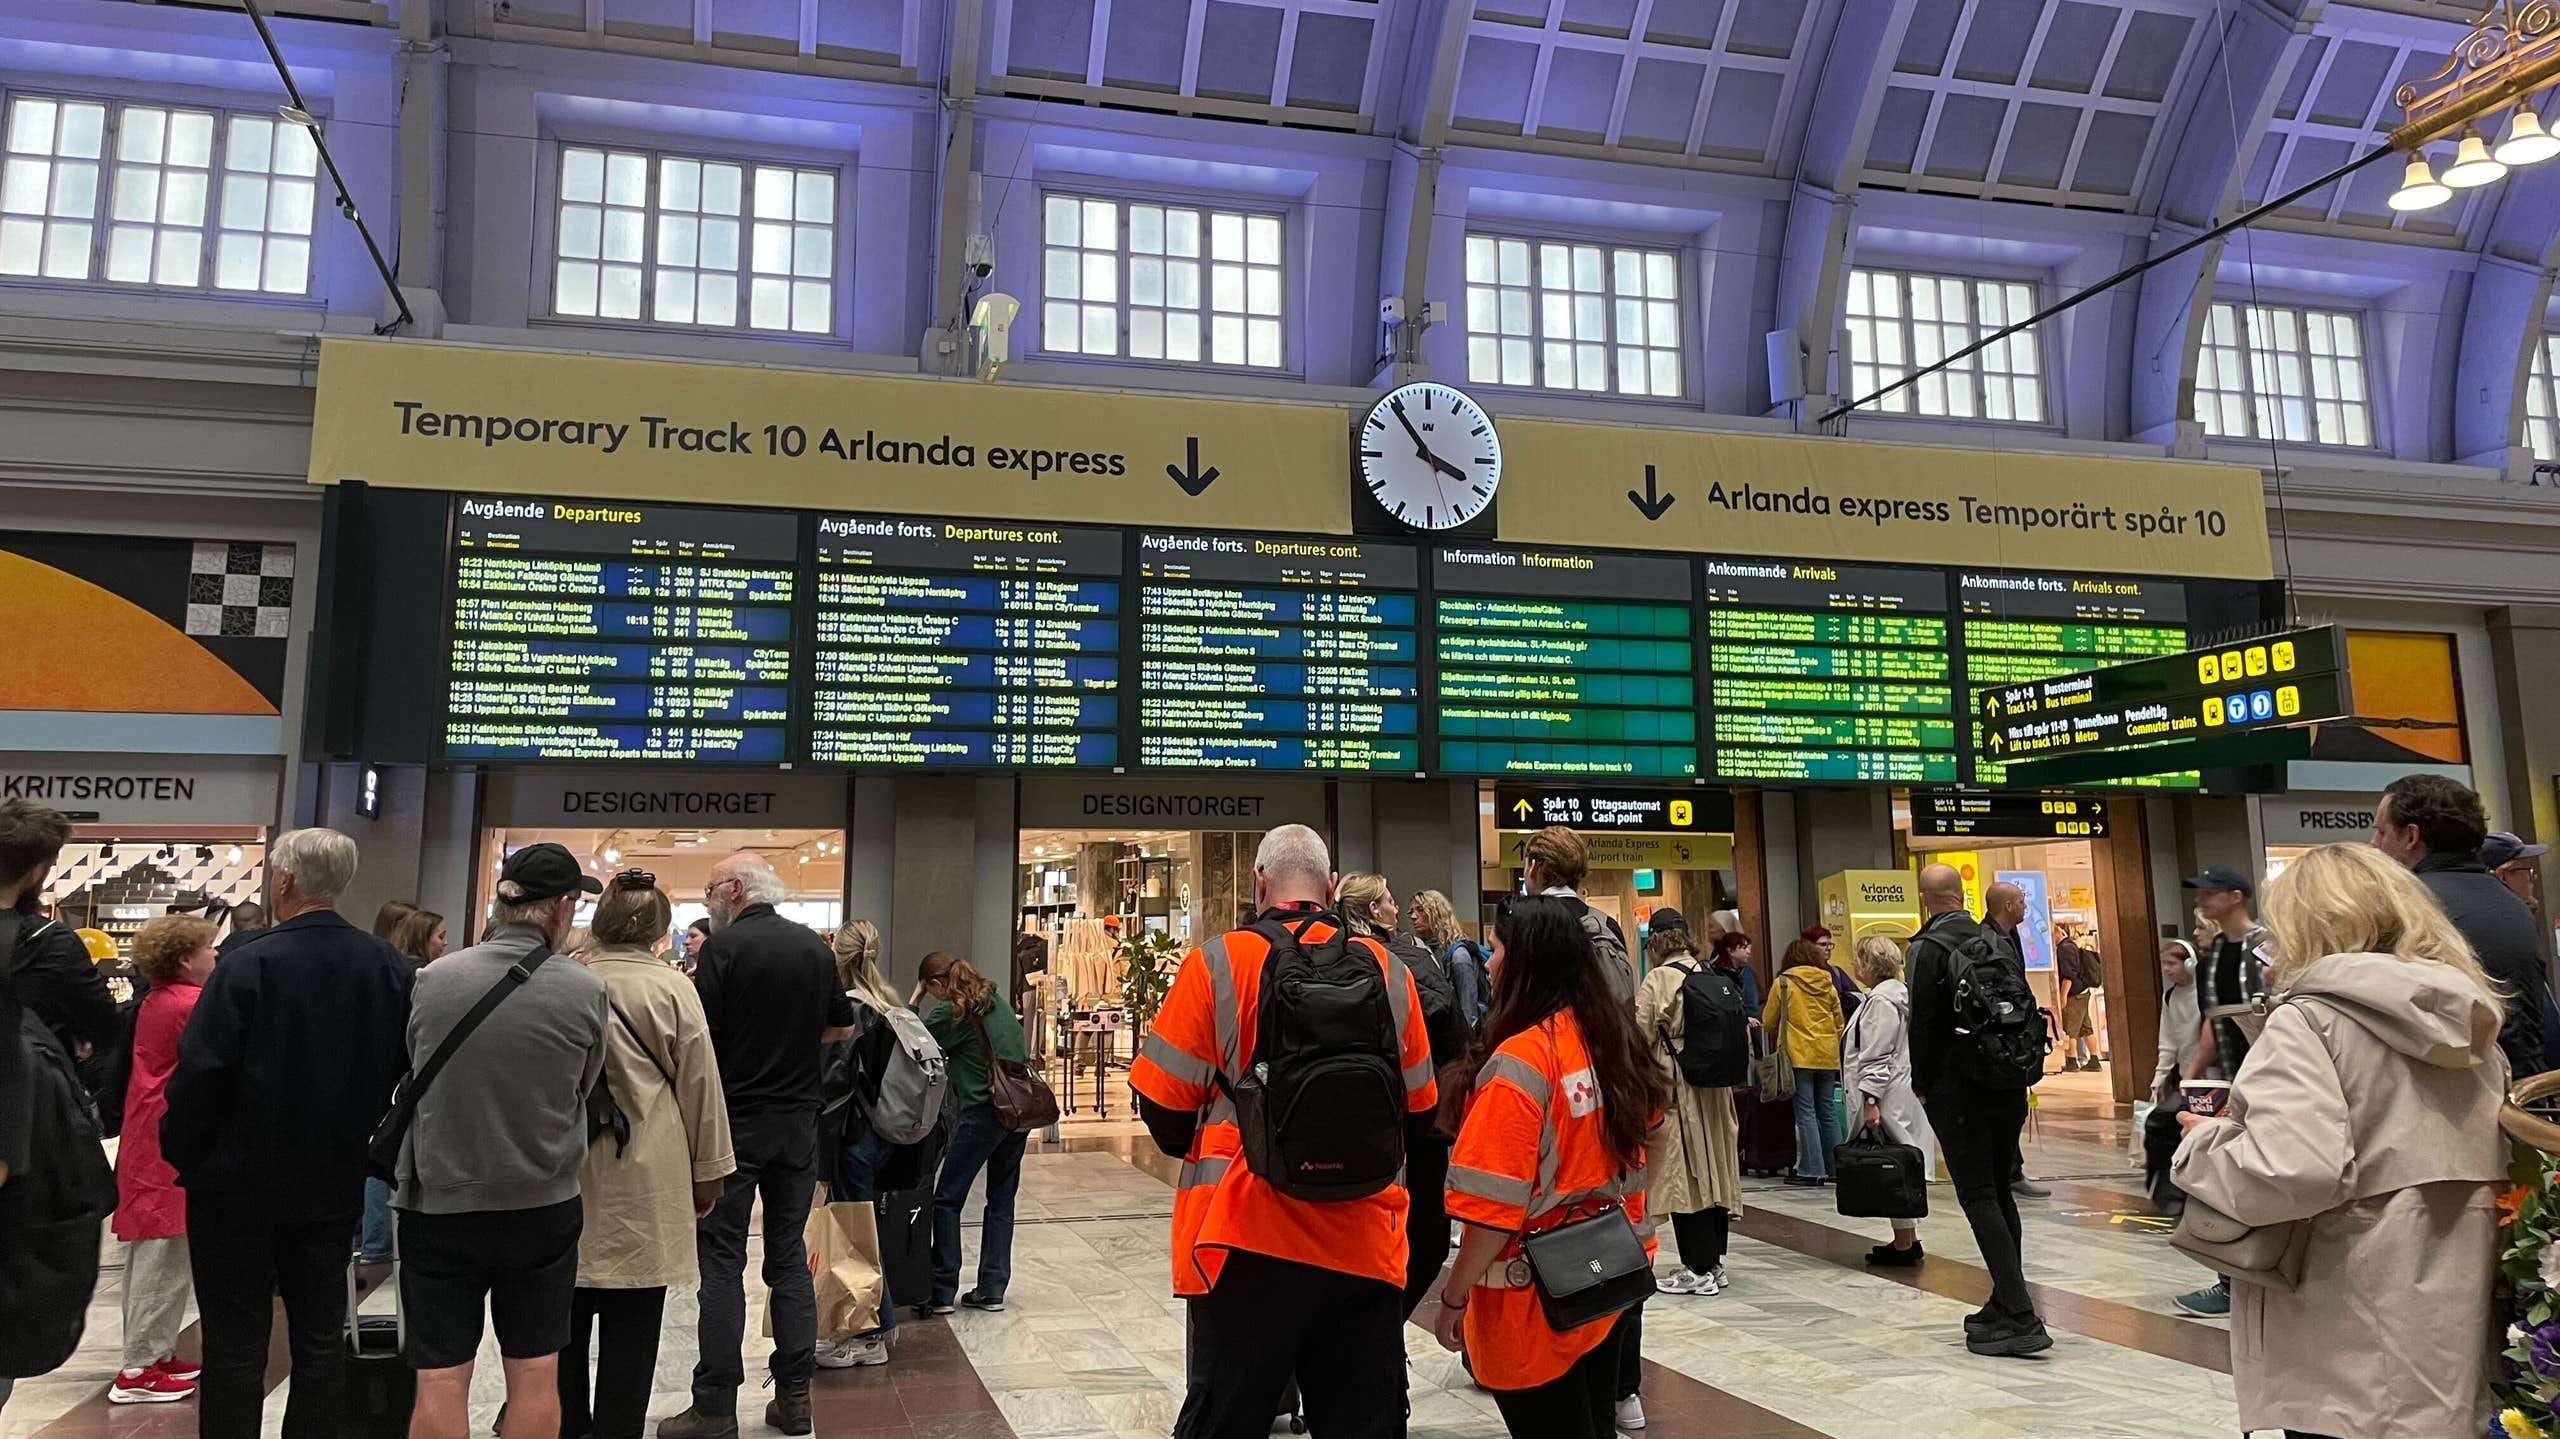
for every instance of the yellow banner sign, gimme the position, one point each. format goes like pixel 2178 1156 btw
pixel 1639 851
pixel 421 415
pixel 1660 489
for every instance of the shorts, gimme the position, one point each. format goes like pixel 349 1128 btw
pixel 2075 1016
pixel 521 1265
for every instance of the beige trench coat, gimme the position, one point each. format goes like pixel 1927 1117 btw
pixel 2369 1107
pixel 1696 1152
pixel 639 1204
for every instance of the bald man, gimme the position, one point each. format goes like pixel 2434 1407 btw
pixel 1977 1117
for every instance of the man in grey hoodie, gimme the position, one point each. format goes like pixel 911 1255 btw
pixel 489 1213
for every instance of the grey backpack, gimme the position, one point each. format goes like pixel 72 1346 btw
pixel 913 1081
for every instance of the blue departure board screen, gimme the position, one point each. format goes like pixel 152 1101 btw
pixel 965 643
pixel 1829 672
pixel 2023 627
pixel 1563 662
pixel 1269 653
pixel 599 630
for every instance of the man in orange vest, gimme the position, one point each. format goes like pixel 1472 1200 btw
pixel 1279 1286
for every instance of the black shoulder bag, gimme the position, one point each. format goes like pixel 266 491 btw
pixel 605 1114
pixel 382 1152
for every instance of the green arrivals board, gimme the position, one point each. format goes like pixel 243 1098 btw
pixel 1562 662
pixel 2018 628
pixel 1827 672
pixel 1277 653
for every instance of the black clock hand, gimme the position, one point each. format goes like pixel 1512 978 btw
pixel 1444 467
pixel 1420 449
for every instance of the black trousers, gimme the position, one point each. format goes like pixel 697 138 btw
pixel 626 1362
pixel 1626 1346
pixel 1978 1130
pixel 777 1158
pixel 1267 1319
pixel 1581 1403
pixel 241 1257
pixel 1701 1238
pixel 1426 1225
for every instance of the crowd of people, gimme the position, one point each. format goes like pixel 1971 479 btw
pixel 552 1128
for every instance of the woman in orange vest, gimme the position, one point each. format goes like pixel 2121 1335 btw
pixel 1560 1069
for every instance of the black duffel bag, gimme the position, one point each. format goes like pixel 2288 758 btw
pixel 1879 1179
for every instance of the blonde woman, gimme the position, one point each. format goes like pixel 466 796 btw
pixel 2367 1110
pixel 1435 923
pixel 1697 1155
pixel 1876 1075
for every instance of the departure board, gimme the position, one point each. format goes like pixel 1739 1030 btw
pixel 1828 672
pixel 598 630
pixel 1559 662
pixel 965 643
pixel 1277 654
pixel 2023 627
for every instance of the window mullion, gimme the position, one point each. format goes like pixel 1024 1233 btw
pixel 102 201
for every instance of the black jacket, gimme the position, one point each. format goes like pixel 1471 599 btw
pixel 2503 933
pixel 1931 979
pixel 58 983
pixel 287 1066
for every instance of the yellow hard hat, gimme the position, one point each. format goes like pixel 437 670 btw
pixel 102 945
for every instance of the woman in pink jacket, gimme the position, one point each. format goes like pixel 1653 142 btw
pixel 175 956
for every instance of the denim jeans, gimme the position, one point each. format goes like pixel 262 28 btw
pixel 978 1142
pixel 1817 1120
pixel 373 1241
pixel 862 1160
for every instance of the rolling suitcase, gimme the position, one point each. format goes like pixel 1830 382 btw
pixel 906 1244
pixel 1767 1128
pixel 381 1387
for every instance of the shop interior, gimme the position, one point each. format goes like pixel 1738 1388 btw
pixel 1096 904
pixel 112 880
pixel 2060 882
pixel 810 861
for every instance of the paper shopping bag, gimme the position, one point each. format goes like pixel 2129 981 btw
pixel 844 1264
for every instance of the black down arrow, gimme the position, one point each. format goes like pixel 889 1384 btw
pixel 1653 503
pixel 1189 475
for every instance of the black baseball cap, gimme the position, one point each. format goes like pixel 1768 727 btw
pixel 544 871
pixel 2502 847
pixel 2222 876
pixel 1665 917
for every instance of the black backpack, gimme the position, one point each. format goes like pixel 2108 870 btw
pixel 1715 1028
pixel 1322 1105
pixel 1438 989
pixel 2002 1027
pixel 54 1205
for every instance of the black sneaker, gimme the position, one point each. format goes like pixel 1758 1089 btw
pixel 2026 1189
pixel 1802 1181
pixel 2009 1338
pixel 1979 1320
pixel 1885 1256
pixel 980 1299
pixel 936 1309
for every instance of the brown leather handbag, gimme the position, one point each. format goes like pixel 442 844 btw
pixel 1023 1101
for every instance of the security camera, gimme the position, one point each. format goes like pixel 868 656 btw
pixel 979 254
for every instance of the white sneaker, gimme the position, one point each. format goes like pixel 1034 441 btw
pixel 1678 1281
pixel 1631 1414
pixel 1710 1284
pixel 859 1353
pixel 1723 1280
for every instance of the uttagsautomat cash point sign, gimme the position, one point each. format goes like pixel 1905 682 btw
pixel 2275 682
pixel 1604 809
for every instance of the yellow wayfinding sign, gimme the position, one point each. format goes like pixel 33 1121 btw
pixel 1639 851
pixel 423 415
pixel 1827 499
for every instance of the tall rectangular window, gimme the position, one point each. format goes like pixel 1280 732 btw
pixel 2542 401
pixel 1900 322
pixel 679 240
pixel 1161 282
pixel 1547 314
pixel 2269 372
pixel 155 195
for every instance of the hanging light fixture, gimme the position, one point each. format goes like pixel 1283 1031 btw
pixel 2419 188
pixel 2527 143
pixel 2473 166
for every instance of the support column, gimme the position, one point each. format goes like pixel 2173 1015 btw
pixel 419 265
pixel 1750 881
pixel 2120 868
pixel 2524 645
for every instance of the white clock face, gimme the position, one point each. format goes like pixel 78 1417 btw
pixel 1430 456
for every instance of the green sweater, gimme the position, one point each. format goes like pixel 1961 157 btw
pixel 959 1040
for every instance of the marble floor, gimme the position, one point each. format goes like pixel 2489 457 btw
pixel 1807 1343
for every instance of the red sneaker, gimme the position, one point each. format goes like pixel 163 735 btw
pixel 189 1370
pixel 152 1385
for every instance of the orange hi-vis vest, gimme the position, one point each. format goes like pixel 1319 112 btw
pixel 1206 1029
pixel 1531 1155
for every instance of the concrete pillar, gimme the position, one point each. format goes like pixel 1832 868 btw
pixel 1839 829
pixel 1425 838
pixel 1786 889
pixel 389 847
pixel 1355 841
pixel 2120 871
pixel 449 846
pixel 2524 645
pixel 870 851
pixel 934 882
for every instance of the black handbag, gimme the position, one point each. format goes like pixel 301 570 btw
pixel 1588 1269
pixel 1879 1179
